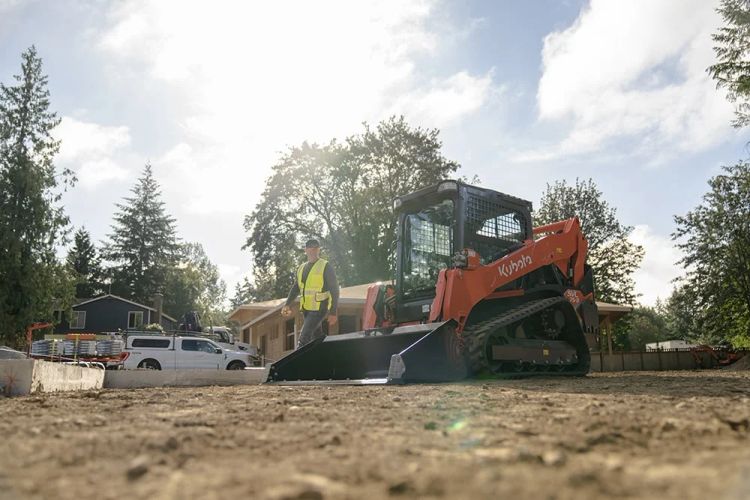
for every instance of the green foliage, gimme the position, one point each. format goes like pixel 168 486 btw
pixel 342 195
pixel 682 313
pixel 732 69
pixel 142 247
pixel 612 256
pixel 245 292
pixel 153 327
pixel 647 325
pixel 85 264
pixel 715 241
pixel 32 281
pixel 194 284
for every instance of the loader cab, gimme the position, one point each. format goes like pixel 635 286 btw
pixel 440 220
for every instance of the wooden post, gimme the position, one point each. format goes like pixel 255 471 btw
pixel 658 357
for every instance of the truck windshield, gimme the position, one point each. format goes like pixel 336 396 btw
pixel 428 247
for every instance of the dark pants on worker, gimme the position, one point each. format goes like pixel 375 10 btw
pixel 312 328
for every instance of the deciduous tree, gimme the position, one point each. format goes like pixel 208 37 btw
pixel 732 69
pixel 646 325
pixel 194 284
pixel 715 240
pixel 612 256
pixel 342 194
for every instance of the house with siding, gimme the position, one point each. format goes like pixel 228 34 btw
pixel 262 325
pixel 110 313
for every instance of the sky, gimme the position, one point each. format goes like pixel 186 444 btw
pixel 523 93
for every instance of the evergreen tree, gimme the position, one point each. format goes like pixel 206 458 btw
pixel 243 293
pixel 612 256
pixel 142 246
pixel 246 291
pixel 32 281
pixel 84 260
pixel 732 69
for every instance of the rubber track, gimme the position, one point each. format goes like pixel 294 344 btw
pixel 477 334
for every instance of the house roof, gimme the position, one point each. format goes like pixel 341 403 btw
pixel 117 297
pixel 347 295
pixel 357 295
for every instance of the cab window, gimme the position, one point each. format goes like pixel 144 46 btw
pixel 198 345
pixel 160 343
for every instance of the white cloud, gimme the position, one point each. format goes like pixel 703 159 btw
pixel 634 70
pixel 92 173
pixel 448 100
pixel 89 149
pixel 255 78
pixel 230 274
pixel 8 5
pixel 654 278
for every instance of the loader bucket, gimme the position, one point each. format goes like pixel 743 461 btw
pixel 419 352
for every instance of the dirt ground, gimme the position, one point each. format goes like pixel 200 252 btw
pixel 644 435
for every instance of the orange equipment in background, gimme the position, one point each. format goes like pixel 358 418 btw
pixel 29 334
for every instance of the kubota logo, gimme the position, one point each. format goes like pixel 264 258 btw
pixel 514 265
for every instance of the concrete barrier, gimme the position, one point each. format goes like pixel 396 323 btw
pixel 28 376
pixel 131 379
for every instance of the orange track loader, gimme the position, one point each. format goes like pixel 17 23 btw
pixel 478 290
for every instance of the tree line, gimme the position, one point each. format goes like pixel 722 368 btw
pixel 338 195
pixel 141 257
pixel 341 193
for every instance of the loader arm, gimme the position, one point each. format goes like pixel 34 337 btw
pixel 459 289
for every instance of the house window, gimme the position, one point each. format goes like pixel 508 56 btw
pixel 347 323
pixel 135 320
pixel 289 330
pixel 78 320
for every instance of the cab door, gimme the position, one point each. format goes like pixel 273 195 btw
pixel 199 354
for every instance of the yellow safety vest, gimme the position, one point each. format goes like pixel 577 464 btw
pixel 311 291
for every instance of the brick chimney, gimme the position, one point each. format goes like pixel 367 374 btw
pixel 158 300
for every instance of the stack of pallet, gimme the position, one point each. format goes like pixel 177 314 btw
pixel 46 348
pixel 109 348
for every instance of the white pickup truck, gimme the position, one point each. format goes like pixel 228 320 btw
pixel 225 338
pixel 168 352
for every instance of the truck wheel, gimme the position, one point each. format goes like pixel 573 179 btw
pixel 236 365
pixel 149 364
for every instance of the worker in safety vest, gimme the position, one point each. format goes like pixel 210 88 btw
pixel 319 294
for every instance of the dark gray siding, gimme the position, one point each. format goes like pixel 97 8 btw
pixel 108 315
